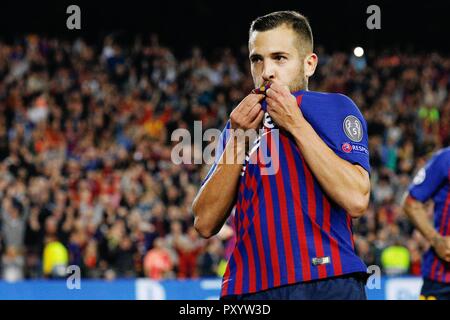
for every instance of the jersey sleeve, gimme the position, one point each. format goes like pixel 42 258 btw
pixel 429 178
pixel 346 132
pixel 220 148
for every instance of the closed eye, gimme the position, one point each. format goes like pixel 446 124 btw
pixel 280 58
pixel 255 59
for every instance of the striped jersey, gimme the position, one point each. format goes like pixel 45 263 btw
pixel 287 229
pixel 433 182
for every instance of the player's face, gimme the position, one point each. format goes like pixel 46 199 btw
pixel 276 55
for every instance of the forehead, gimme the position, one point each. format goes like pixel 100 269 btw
pixel 280 39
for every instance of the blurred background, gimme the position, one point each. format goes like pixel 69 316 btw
pixel 86 117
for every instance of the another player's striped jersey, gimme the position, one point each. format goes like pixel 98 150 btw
pixel 433 182
pixel 288 229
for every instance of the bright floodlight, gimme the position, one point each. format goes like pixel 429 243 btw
pixel 358 52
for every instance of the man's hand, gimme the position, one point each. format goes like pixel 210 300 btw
pixel 216 198
pixel 348 185
pixel 441 245
pixel 248 114
pixel 283 108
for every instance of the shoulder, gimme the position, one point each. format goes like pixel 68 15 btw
pixel 442 157
pixel 339 100
pixel 345 104
pixel 334 104
pixel 444 152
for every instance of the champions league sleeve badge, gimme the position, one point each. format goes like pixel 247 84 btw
pixel 353 128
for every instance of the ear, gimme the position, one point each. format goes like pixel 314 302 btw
pixel 310 64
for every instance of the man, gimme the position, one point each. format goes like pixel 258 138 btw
pixel 433 182
pixel 293 225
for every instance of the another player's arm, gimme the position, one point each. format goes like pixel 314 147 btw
pixel 424 186
pixel 346 184
pixel 415 210
pixel 217 196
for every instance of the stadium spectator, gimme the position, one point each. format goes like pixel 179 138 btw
pixel 85 140
pixel 157 261
pixel 13 263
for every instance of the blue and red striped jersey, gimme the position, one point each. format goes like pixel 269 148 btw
pixel 433 182
pixel 288 229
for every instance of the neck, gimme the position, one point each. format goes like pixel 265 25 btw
pixel 295 92
pixel 303 86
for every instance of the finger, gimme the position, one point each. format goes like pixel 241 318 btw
pixel 235 116
pixel 254 112
pixel 271 103
pixel 250 101
pixel 276 95
pixel 280 89
pixel 255 97
pixel 277 87
pixel 258 119
pixel 271 92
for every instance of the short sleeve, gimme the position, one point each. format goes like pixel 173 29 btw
pixel 429 178
pixel 346 132
pixel 220 148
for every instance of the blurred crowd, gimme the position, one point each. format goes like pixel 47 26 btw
pixel 86 176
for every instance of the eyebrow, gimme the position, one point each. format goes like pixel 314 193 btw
pixel 279 53
pixel 272 54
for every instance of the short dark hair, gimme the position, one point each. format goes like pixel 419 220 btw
pixel 298 22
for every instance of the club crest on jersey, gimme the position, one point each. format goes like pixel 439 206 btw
pixel 353 128
pixel 268 122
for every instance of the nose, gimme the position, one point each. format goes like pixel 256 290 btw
pixel 268 73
